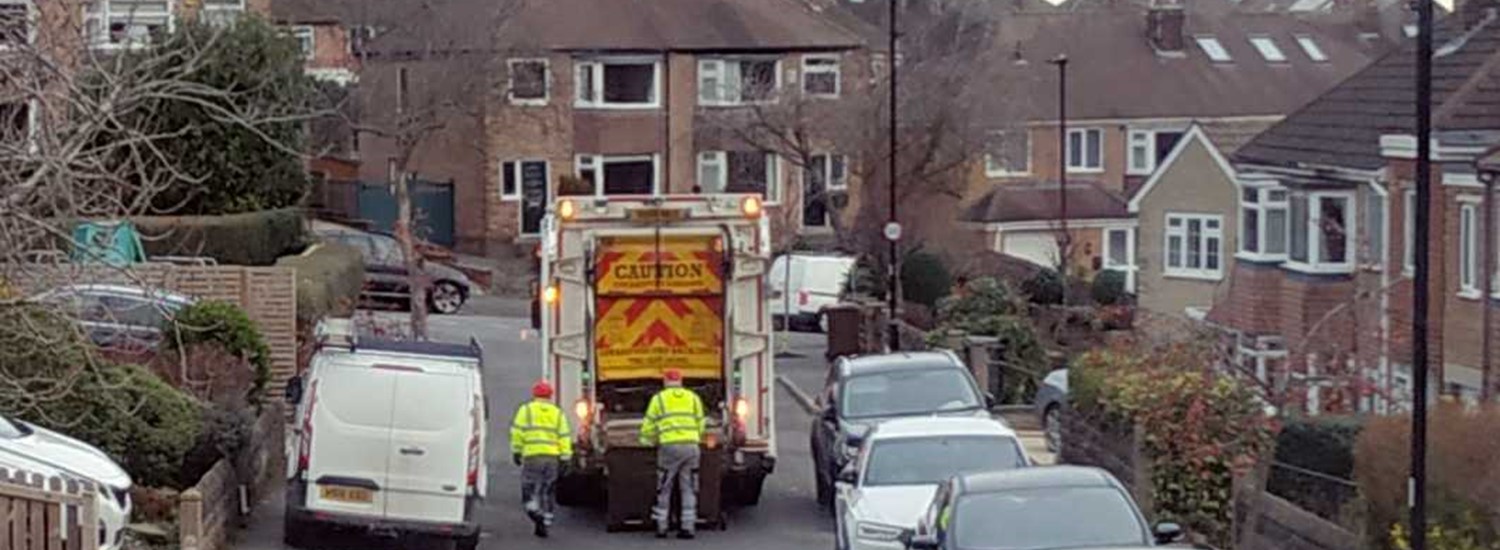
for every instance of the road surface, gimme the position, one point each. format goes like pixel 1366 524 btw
pixel 787 518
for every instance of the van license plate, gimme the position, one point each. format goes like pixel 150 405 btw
pixel 353 495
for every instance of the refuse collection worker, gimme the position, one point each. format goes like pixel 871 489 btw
pixel 674 424
pixel 540 443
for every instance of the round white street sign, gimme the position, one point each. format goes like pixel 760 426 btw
pixel 892 231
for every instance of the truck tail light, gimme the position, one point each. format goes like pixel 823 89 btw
pixel 549 294
pixel 741 409
pixel 583 409
pixel 802 298
pixel 304 444
pixel 567 210
pixel 751 207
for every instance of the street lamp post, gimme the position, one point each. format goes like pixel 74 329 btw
pixel 893 232
pixel 1417 483
pixel 1064 239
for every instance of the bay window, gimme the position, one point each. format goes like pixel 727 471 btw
pixel 624 83
pixel 1194 246
pixel 727 82
pixel 619 175
pixel 1322 232
pixel 1263 219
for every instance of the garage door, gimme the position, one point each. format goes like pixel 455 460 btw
pixel 1036 247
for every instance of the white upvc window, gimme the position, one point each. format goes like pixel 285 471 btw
pixel 1086 150
pixel 620 175
pixel 1142 153
pixel 618 83
pixel 713 177
pixel 738 81
pixel 741 172
pixel 830 170
pixel 1008 154
pixel 1409 247
pixel 1194 246
pixel 1468 247
pixel 1322 231
pixel 17 24
pixel 126 23
pixel 514 174
pixel 307 40
pixel 529 81
pixel 1119 253
pixel 821 76
pixel 1263 223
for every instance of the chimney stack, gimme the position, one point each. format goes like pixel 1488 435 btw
pixel 1165 23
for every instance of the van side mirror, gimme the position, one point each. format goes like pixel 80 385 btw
pixel 1166 532
pixel 989 400
pixel 294 390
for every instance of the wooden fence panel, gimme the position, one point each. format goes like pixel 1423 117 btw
pixel 32 512
pixel 267 294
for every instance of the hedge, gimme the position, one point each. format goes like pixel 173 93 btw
pixel 255 238
pixel 329 279
pixel 1324 445
pixel 924 278
pixel 226 326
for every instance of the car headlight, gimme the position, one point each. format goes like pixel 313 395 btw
pixel 870 530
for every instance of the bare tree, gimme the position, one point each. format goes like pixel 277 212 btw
pixel 951 97
pixel 79 138
pixel 425 78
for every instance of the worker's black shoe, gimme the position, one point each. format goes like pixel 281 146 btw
pixel 661 533
pixel 686 535
pixel 541 530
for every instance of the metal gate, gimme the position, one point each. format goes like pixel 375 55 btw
pixel 432 209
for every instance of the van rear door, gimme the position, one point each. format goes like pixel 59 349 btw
pixel 434 415
pixel 351 432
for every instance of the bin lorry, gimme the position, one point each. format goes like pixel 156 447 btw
pixel 632 286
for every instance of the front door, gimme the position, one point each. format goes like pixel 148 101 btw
pixel 533 196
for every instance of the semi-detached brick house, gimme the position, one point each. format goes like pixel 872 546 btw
pixel 629 98
pixel 1325 295
pixel 59 29
pixel 1139 76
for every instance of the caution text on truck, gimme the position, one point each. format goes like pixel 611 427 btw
pixel 659 304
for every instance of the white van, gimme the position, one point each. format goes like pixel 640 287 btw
pixel 816 283
pixel 390 441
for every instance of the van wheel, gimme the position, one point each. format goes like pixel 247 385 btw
pixel 470 542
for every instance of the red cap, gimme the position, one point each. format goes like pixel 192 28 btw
pixel 541 389
pixel 672 375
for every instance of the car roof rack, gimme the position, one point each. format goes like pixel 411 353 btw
pixel 342 333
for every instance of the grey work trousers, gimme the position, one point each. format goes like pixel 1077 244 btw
pixel 539 486
pixel 677 463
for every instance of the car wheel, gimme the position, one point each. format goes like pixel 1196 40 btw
pixel 446 298
pixel 296 534
pixel 1052 427
pixel 470 542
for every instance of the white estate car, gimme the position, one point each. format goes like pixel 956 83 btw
pixel 391 441
pixel 41 451
pixel 900 464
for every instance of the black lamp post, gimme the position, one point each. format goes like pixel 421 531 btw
pixel 1417 483
pixel 893 227
pixel 1064 239
pixel 1488 167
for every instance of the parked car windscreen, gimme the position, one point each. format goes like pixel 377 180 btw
pixel 1048 517
pixel 916 391
pixel 910 461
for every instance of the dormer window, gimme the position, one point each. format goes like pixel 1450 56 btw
pixel 1268 49
pixel 1213 49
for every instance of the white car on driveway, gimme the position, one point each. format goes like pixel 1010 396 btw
pixel 900 464
pixel 40 451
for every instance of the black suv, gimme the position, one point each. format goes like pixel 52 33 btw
pixel 863 391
